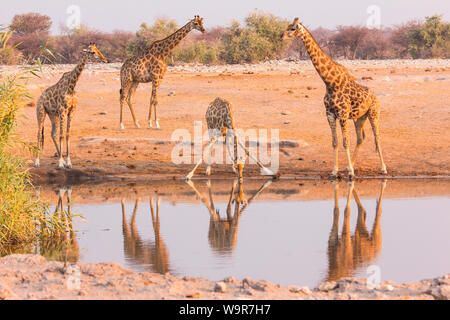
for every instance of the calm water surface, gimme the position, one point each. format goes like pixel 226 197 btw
pixel 286 242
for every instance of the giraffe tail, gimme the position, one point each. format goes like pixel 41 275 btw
pixel 42 139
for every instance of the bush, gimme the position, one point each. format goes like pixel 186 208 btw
pixel 259 40
pixel 23 218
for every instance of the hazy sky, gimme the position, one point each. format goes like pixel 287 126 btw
pixel 129 14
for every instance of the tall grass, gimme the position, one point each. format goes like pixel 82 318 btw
pixel 23 217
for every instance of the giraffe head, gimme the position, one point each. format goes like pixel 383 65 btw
pixel 93 51
pixel 198 24
pixel 293 30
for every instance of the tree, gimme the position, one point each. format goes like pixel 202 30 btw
pixel 259 40
pixel 28 23
pixel 430 39
pixel 349 39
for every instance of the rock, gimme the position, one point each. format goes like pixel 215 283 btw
pixel 5 292
pixel 285 113
pixel 444 292
pixel 172 93
pixel 196 295
pixel 287 122
pixel 220 287
pixel 302 290
pixel 229 280
pixel 103 113
pixel 248 283
pixel 327 286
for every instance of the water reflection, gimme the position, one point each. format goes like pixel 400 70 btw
pixel 347 253
pixel 223 232
pixel 286 232
pixel 63 246
pixel 150 253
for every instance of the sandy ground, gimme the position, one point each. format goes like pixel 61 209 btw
pixel 280 95
pixel 32 277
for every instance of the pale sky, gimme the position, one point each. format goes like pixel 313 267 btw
pixel 127 15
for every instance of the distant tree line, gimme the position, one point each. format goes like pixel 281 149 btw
pixel 256 41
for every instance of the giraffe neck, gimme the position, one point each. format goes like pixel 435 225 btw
pixel 165 46
pixel 76 73
pixel 332 73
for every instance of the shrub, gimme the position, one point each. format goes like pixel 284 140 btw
pixel 23 218
pixel 259 40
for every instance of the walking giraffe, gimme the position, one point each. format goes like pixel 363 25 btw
pixel 59 103
pixel 150 66
pixel 345 98
pixel 220 119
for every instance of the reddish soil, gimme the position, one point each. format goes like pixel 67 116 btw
pixel 415 122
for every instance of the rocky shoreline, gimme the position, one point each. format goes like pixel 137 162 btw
pixel 31 277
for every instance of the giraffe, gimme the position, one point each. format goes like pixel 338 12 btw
pixel 148 253
pixel 150 66
pixel 59 103
pixel 345 99
pixel 348 253
pixel 222 234
pixel 220 120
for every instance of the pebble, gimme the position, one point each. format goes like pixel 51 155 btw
pixel 220 287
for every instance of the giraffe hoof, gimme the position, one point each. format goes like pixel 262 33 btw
pixel 37 164
pixel 122 127
pixel 189 177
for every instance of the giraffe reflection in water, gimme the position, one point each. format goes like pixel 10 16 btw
pixel 64 246
pixel 223 232
pixel 347 253
pixel 152 253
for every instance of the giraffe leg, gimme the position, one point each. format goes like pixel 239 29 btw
pixel 332 123
pixel 230 154
pixel 344 127
pixel 130 103
pixel 359 127
pixel 61 162
pixel 40 134
pixel 55 123
pixel 374 118
pixel 68 160
pixel 208 148
pixel 154 105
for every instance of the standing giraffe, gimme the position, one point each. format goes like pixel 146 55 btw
pixel 220 119
pixel 345 98
pixel 59 103
pixel 150 66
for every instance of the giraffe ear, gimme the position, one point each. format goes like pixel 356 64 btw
pixel 296 20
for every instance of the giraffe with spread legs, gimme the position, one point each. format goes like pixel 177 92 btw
pixel 223 233
pixel 220 120
pixel 59 103
pixel 345 99
pixel 150 66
